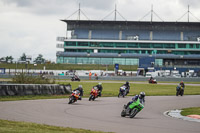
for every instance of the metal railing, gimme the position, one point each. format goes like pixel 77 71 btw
pixel 61 39
pixel 59 45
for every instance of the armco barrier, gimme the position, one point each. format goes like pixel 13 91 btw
pixel 33 89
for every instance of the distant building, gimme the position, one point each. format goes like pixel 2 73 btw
pixel 139 43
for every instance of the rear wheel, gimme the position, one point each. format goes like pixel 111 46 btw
pixel 133 112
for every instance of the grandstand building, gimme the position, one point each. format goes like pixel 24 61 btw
pixel 142 43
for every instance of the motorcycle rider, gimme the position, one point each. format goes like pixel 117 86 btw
pixel 80 88
pixel 151 78
pixel 182 85
pixel 100 88
pixel 127 86
pixel 141 97
pixel 75 77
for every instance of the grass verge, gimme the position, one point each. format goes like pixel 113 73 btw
pixel 68 66
pixel 112 90
pixel 27 127
pixel 191 111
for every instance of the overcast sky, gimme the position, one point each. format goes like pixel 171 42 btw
pixel 31 26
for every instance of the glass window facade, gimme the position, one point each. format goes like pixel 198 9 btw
pixel 158 62
pixel 124 47
pixel 103 61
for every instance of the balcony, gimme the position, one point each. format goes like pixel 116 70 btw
pixel 61 39
pixel 59 45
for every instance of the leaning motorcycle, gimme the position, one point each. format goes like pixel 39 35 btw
pixel 132 109
pixel 93 94
pixel 75 79
pixel 179 90
pixel 122 91
pixel 74 96
pixel 152 81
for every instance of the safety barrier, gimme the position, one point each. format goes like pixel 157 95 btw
pixel 33 89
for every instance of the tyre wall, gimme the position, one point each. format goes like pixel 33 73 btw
pixel 33 89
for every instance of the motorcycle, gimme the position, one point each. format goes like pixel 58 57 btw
pixel 75 79
pixel 152 81
pixel 74 96
pixel 93 94
pixel 132 109
pixel 179 90
pixel 122 91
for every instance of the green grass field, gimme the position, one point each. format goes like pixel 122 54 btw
pixel 68 66
pixel 191 111
pixel 112 90
pixel 26 127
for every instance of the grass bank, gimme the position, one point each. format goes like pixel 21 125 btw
pixel 26 127
pixel 191 111
pixel 112 90
pixel 68 66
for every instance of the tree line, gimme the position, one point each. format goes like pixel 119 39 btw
pixel 24 59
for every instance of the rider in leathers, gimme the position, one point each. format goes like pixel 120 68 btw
pixel 80 88
pixel 127 86
pixel 100 88
pixel 141 96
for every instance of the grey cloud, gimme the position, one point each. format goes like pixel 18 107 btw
pixel 98 4
pixel 193 3
pixel 61 5
pixel 20 3
pixel 43 7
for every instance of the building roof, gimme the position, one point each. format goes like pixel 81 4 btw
pixel 124 25
pixel 128 22
pixel 125 55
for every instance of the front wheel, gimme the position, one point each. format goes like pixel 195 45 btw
pixel 70 101
pixel 90 98
pixel 123 113
pixel 133 112
pixel 182 92
pixel 177 92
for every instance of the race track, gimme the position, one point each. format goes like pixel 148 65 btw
pixel 104 114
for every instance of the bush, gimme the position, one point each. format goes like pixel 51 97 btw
pixel 29 79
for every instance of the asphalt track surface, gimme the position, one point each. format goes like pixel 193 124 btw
pixel 104 114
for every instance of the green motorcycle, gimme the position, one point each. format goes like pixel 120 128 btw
pixel 132 109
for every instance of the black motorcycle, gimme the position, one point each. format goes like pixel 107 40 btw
pixel 75 79
pixel 179 90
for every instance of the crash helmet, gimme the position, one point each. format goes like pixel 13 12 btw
pixel 95 87
pixel 127 82
pixel 100 83
pixel 80 86
pixel 142 94
pixel 178 86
